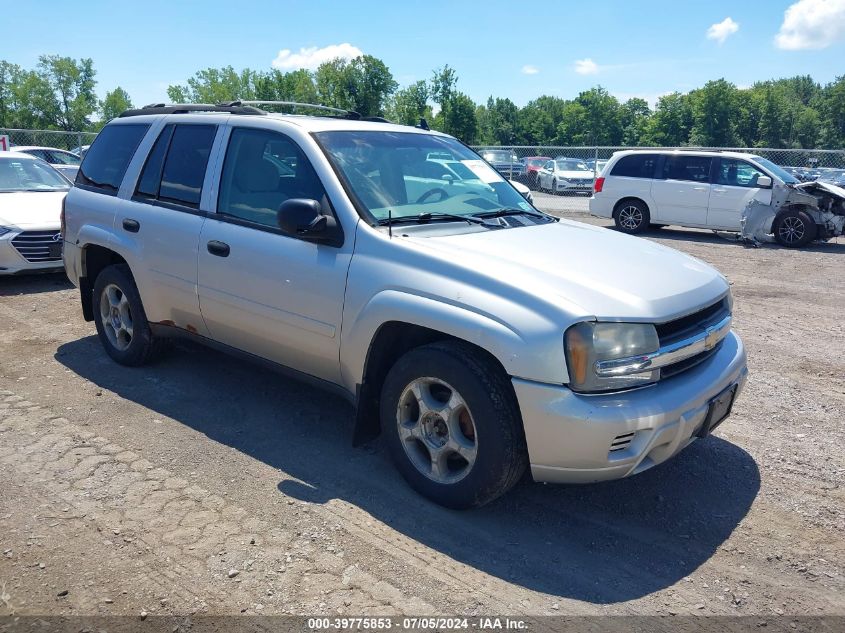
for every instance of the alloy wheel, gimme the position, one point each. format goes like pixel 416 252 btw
pixel 116 316
pixel 436 430
pixel 630 217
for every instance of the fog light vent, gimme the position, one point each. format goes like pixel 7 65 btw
pixel 621 442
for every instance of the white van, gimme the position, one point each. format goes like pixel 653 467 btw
pixel 711 190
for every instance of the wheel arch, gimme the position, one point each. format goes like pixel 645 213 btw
pixel 391 341
pixel 94 259
pixel 621 201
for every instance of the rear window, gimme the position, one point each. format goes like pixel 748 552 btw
pixel 694 168
pixel 635 166
pixel 108 157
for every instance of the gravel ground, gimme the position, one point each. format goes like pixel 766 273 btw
pixel 206 485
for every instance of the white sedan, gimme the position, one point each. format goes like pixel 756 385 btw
pixel 31 194
pixel 565 174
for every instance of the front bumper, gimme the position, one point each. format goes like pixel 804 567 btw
pixel 570 435
pixel 13 262
pixel 575 186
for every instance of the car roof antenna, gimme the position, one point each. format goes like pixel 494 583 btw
pixel 423 124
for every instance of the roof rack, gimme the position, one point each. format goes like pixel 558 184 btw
pixel 349 114
pixel 232 107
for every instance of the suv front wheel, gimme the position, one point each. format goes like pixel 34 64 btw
pixel 794 228
pixel 120 318
pixel 452 425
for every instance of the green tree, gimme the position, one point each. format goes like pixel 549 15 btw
pixel 713 114
pixel 216 85
pixel 539 119
pixel 72 85
pixel 410 104
pixel 297 85
pixel 114 103
pixel 671 123
pixel 363 84
pixel 634 117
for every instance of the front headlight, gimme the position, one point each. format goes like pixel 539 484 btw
pixel 588 343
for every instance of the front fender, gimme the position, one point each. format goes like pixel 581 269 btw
pixel 525 353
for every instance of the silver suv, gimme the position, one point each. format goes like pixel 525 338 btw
pixel 478 335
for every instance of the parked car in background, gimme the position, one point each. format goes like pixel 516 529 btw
pixel 566 174
pixel 80 151
pixel 31 194
pixel 505 162
pixel 481 336
pixel 531 168
pixel 62 160
pixel 711 190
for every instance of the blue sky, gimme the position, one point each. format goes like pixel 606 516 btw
pixel 516 49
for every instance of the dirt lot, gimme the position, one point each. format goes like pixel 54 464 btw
pixel 206 485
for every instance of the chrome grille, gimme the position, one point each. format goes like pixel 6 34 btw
pixel 39 246
pixel 678 329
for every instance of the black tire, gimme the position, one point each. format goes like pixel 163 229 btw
pixel 500 456
pixel 794 228
pixel 139 348
pixel 554 187
pixel 631 216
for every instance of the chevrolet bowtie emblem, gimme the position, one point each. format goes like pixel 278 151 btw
pixel 711 338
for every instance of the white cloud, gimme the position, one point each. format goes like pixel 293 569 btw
pixel 530 70
pixel 812 24
pixel 312 57
pixel 586 67
pixel 722 30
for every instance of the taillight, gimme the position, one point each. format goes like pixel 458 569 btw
pixel 598 185
pixel 62 218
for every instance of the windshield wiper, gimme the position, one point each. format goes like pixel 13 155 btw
pixel 504 211
pixel 427 217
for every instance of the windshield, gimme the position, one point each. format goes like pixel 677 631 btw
pixel 392 171
pixel 64 158
pixel 21 174
pixel 498 157
pixel 777 170
pixel 572 165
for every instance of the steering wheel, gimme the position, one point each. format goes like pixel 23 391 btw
pixel 437 190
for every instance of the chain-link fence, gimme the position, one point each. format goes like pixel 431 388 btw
pixel 522 162
pixel 48 138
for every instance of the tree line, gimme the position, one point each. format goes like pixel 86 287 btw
pixel 794 112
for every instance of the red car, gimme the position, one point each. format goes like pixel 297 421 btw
pixel 532 165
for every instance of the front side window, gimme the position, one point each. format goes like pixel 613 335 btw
pixel 694 168
pixel 392 172
pixel 108 157
pixel 262 169
pixel 737 173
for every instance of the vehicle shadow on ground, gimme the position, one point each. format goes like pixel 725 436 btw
pixel 693 235
pixel 602 543
pixel 33 284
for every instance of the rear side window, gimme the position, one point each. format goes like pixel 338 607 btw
pixel 175 168
pixel 108 157
pixel 695 168
pixel 635 166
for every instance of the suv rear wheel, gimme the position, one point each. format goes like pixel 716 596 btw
pixel 631 216
pixel 120 319
pixel 794 228
pixel 452 425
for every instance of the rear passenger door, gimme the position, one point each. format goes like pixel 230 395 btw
pixel 260 290
pixel 682 191
pixel 162 221
pixel 734 186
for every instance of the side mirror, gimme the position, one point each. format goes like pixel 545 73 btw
pixel 764 182
pixel 448 178
pixel 303 218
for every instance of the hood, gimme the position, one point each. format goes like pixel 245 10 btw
pixel 830 188
pixel 575 174
pixel 31 209
pixel 606 274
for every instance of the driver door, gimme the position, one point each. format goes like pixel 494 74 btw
pixel 262 291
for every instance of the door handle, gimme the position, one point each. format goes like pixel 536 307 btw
pixel 133 226
pixel 221 249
